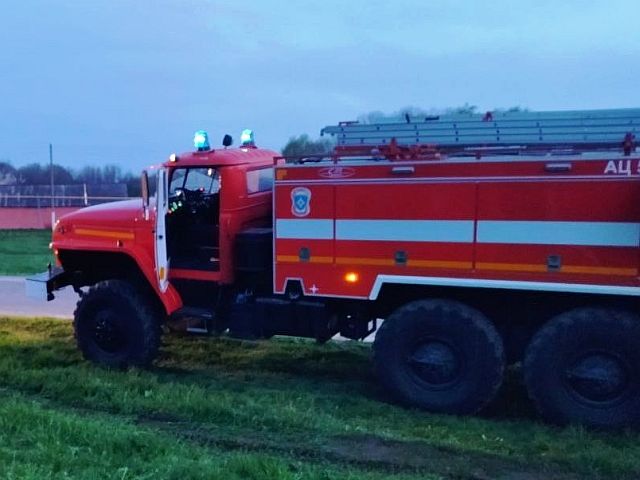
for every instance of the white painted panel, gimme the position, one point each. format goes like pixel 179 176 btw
pixel 604 234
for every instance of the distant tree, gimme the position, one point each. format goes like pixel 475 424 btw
pixel 466 108
pixel 61 175
pixel 111 174
pixel 96 175
pixel 8 173
pixel 514 109
pixel 133 184
pixel 303 145
pixel 400 115
pixel 378 116
pixel 89 174
pixel 375 116
pixel 414 112
pixel 35 174
pixel 31 174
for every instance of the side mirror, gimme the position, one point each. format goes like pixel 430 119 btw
pixel 144 192
pixel 227 140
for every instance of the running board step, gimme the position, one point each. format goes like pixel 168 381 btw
pixel 192 320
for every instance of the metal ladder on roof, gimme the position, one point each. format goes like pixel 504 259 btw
pixel 580 129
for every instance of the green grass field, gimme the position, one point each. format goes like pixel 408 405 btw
pixel 281 409
pixel 24 251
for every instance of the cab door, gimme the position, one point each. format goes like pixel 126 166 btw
pixel 162 262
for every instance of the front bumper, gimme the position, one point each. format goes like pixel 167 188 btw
pixel 42 285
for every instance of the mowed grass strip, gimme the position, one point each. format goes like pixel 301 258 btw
pixel 24 251
pixel 299 402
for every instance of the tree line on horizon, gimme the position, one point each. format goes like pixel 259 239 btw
pixel 37 174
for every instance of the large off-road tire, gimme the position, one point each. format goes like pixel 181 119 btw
pixel 440 355
pixel 583 367
pixel 116 326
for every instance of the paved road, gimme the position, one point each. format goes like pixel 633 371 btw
pixel 14 302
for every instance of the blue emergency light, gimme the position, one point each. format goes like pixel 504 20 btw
pixel 247 139
pixel 201 141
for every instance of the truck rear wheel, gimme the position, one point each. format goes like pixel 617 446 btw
pixel 583 366
pixel 440 355
pixel 115 326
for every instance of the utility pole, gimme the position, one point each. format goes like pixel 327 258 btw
pixel 53 205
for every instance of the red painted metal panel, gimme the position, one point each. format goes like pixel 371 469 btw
pixel 445 251
pixel 450 201
pixel 593 201
pixel 574 255
pixel 317 248
pixel 492 190
pixel 470 167
pixel 321 201
pixel 321 207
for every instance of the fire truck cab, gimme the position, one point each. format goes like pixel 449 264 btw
pixel 472 241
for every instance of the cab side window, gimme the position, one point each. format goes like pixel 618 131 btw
pixel 260 180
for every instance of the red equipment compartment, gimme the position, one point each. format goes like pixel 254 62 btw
pixel 503 218
pixel 304 238
pixel 585 223
pixel 405 226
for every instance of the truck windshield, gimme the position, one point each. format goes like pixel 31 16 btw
pixel 205 180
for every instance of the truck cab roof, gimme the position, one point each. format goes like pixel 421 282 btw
pixel 222 157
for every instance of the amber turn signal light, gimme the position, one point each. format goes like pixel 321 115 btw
pixel 351 277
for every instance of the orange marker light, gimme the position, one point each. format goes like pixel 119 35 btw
pixel 351 277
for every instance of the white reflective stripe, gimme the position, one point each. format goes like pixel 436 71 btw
pixel 307 228
pixel 406 230
pixel 502 284
pixel 605 234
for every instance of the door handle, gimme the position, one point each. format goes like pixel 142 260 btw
pixel 554 167
pixel 403 170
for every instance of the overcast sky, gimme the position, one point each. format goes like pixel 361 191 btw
pixel 114 81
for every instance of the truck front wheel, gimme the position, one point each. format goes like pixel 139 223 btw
pixel 440 355
pixel 583 366
pixel 115 326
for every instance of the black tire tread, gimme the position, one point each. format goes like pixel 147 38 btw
pixel 572 320
pixel 392 327
pixel 126 292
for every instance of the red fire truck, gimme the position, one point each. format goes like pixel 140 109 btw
pixel 473 241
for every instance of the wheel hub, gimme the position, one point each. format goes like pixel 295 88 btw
pixel 598 377
pixel 106 333
pixel 435 362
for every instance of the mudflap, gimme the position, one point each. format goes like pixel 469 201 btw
pixel 266 317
